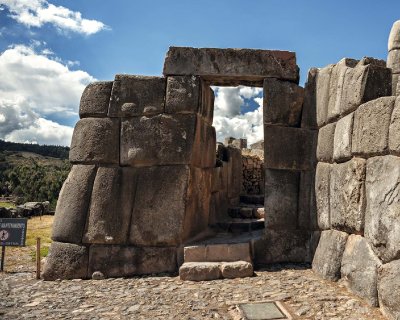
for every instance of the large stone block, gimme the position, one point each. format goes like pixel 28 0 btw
pixel 137 96
pixel 207 102
pixel 72 205
pixel 111 206
pixel 322 94
pixel 236 269
pixel 171 205
pixel 281 198
pixel 66 261
pixel 322 194
pixel 289 148
pixel 309 114
pixel 393 60
pixel 382 222
pixel 389 289
pixel 307 210
pixel 234 172
pixel 347 196
pixel 282 102
pixel 394 129
pixel 360 269
pixel 394 36
pixel 125 261
pixel 183 94
pixel 167 140
pixel 328 256
pixel 200 271
pixel 326 136
pixel 371 127
pixel 343 138
pixel 95 99
pixel 94 141
pixel 395 84
pixel 231 66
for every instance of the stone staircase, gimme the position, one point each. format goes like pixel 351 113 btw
pixel 228 252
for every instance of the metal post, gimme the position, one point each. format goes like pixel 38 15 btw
pixel 3 254
pixel 37 258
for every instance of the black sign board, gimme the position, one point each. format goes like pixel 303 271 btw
pixel 13 232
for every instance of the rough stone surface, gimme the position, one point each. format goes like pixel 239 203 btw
pixel 289 148
pixel 307 210
pixel 309 114
pixel 282 102
pixel 393 60
pixel 226 66
pixel 326 136
pixel 95 99
pixel 394 36
pixel 328 256
pixel 343 138
pixel 322 194
pixel 183 94
pixel 234 172
pixel 124 261
pixel 347 194
pixel 95 140
pixel 66 261
pixel 237 269
pixel 322 94
pixel 137 96
pixel 111 206
pixel 371 127
pixel 382 223
pixel 394 129
pixel 200 271
pixel 360 269
pixel 207 102
pixel 281 198
pixel 228 252
pixel 72 205
pixel 389 289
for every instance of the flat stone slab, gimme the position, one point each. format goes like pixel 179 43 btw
pixel 231 66
pixel 262 311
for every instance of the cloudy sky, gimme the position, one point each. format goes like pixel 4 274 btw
pixel 50 50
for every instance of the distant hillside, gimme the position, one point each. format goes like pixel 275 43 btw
pixel 44 150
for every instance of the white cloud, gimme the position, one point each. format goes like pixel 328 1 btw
pixel 36 13
pixel 33 88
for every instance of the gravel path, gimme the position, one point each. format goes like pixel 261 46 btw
pixel 166 297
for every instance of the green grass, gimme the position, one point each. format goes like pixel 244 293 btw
pixel 39 227
pixel 44 251
pixel 5 204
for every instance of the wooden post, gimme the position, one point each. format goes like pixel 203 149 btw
pixel 3 254
pixel 37 258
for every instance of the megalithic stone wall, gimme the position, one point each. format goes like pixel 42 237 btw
pixel 393 59
pixel 357 180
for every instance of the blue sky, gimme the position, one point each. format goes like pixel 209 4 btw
pixel 75 42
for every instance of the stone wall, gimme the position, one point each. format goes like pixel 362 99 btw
pixel 357 180
pixel 253 171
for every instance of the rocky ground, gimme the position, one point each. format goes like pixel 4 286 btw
pixel 167 297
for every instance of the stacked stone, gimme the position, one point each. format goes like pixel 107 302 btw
pixel 253 172
pixel 393 59
pixel 357 180
pixel 140 183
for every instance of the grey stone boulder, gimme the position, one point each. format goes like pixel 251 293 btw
pixel 95 140
pixel 322 194
pixel 328 256
pixel 282 102
pixel 347 196
pixel 200 271
pixel 72 205
pixel 322 94
pixel 326 136
pixel 394 36
pixel 236 269
pixel 95 99
pixel 360 269
pixel 393 60
pixel 309 114
pixel 394 129
pixel 66 261
pixel 382 213
pixel 371 127
pixel 389 289
pixel 343 138
pixel 137 96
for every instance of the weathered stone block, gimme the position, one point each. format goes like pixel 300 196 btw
pixel 289 148
pixel 66 261
pixel 347 194
pixel 200 271
pixel 234 172
pixel 322 94
pixel 309 114
pixel 328 256
pixel 94 141
pixel 282 102
pixel 229 66
pixel 236 269
pixel 124 261
pixel 389 289
pixel 343 137
pixel 183 94
pixel 137 96
pixel 394 129
pixel 195 253
pixel 228 252
pixel 95 99
pixel 322 192
pixel 394 36
pixel 326 136
pixel 171 205
pixel 307 211
pixel 111 206
pixel 281 198
pixel 207 102
pixel 218 207
pixel 371 127
pixel 72 205
pixel 166 140
pixel 360 269
pixel 382 222
pixel 393 60
pixel 395 84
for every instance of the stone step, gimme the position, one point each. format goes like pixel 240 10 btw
pixel 246 211
pixel 252 198
pixel 205 271
pixel 240 225
pixel 217 252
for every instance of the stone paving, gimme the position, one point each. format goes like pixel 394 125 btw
pixel 167 297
